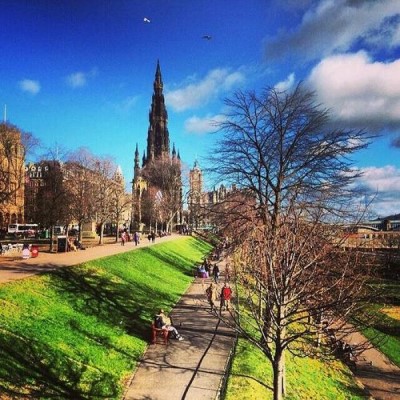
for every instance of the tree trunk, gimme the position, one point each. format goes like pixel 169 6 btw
pixel 101 233
pixel 116 233
pixel 279 377
pixel 80 231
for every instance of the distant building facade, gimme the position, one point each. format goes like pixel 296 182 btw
pixel 373 234
pixel 12 170
pixel 200 201
pixel 35 174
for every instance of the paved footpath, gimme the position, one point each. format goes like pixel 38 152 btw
pixel 375 371
pixel 194 368
pixel 13 267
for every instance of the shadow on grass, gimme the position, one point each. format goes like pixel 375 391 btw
pixel 33 369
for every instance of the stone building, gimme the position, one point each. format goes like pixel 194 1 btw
pixel 201 201
pixel 12 171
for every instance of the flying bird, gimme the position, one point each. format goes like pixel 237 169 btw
pixel 146 20
pixel 208 37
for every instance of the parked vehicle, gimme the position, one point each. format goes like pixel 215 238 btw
pixel 23 230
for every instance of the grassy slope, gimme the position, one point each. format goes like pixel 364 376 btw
pixel 78 332
pixel 307 378
pixel 385 334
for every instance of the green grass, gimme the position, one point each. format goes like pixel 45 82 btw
pixel 307 378
pixel 385 332
pixel 78 332
pixel 251 375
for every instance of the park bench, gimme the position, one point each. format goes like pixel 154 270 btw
pixel 158 332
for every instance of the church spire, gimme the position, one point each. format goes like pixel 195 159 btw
pixel 137 160
pixel 158 83
pixel 157 134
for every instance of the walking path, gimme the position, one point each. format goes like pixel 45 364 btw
pixel 375 371
pixel 194 368
pixel 14 267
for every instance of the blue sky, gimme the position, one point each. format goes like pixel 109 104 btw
pixel 80 72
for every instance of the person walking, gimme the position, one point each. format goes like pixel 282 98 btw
pixel 226 295
pixel 211 293
pixel 215 273
pixel 136 238
pixel 227 272
pixel 123 238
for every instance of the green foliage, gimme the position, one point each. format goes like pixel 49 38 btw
pixel 307 378
pixel 78 332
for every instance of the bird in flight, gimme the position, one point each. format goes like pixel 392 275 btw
pixel 208 37
pixel 146 20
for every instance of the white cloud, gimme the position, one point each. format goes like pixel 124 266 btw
pixel 127 104
pixel 359 91
pixel 30 86
pixel 385 182
pixel 203 125
pixel 80 79
pixel 286 84
pixel 201 92
pixel 385 178
pixel 336 25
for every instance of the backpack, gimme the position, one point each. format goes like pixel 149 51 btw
pixel 158 322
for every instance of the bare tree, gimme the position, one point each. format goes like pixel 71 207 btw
pixel 53 198
pixel 164 196
pixel 82 185
pixel 295 188
pixel 104 173
pixel 120 203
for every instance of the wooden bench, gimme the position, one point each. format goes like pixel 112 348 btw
pixel 158 332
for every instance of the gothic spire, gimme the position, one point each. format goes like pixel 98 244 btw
pixel 157 135
pixel 173 151
pixel 137 160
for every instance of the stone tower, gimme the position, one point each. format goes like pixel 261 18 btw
pixel 196 181
pixel 195 195
pixel 158 148
pixel 157 134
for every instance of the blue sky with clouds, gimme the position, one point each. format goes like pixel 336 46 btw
pixel 80 72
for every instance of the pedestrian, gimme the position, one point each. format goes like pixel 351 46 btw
pixel 203 275
pixel 226 295
pixel 153 236
pixel 123 238
pixel 227 272
pixel 211 293
pixel 136 238
pixel 215 273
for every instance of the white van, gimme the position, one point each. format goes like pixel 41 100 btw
pixel 25 230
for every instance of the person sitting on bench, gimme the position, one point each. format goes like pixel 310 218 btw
pixel 163 321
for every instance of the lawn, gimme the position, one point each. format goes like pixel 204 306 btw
pixel 251 375
pixel 307 378
pixel 385 332
pixel 78 332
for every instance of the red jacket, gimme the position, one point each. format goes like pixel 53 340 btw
pixel 226 293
